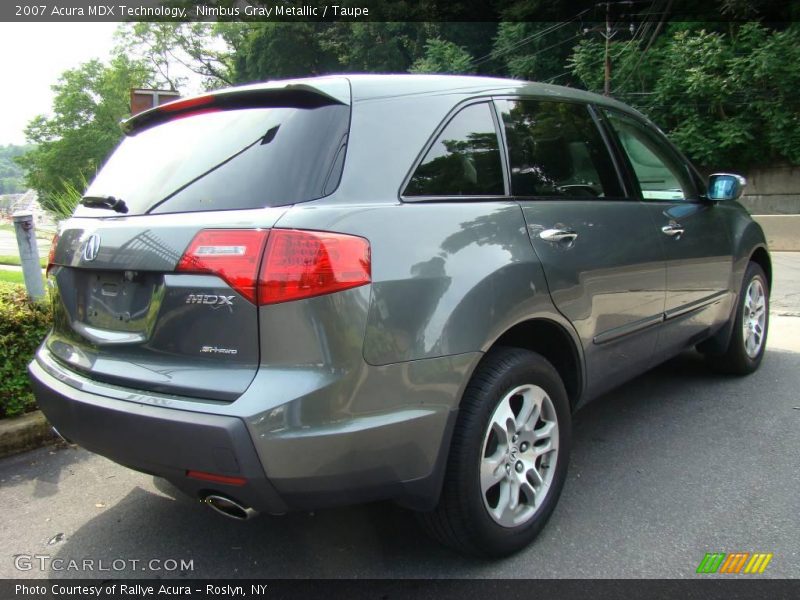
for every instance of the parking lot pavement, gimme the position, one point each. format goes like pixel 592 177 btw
pixel 674 464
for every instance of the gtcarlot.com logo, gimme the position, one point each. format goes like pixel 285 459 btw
pixel 735 562
pixel 44 562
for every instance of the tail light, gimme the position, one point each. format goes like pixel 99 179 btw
pixel 51 257
pixel 232 254
pixel 302 264
pixel 296 264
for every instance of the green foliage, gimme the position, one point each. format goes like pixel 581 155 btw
pixel 12 277
pixel 727 98
pixel 203 48
pixel 62 202
pixel 89 103
pixel 23 326
pixel 14 259
pixel 275 50
pixel 11 174
pixel 537 51
pixel 442 56
pixel 12 178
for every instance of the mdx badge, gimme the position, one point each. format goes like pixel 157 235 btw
pixel 91 248
pixel 212 300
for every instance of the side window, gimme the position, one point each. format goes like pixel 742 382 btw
pixel 464 160
pixel 555 149
pixel 661 174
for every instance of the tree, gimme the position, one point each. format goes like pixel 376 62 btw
pixel 536 51
pixel 442 56
pixel 206 49
pixel 271 50
pixel 90 101
pixel 727 97
pixel 11 174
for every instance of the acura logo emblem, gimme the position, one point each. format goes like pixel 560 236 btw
pixel 91 248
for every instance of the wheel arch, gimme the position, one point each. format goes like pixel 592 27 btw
pixel 553 341
pixel 760 256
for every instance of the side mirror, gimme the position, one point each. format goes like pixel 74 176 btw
pixel 725 186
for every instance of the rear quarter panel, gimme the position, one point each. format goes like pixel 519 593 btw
pixel 448 278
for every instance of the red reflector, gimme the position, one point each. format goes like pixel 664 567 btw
pixel 232 254
pixel 302 264
pixel 52 256
pixel 227 480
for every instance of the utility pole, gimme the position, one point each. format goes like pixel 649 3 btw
pixel 607 35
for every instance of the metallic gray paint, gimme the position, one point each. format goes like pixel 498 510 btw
pixel 353 395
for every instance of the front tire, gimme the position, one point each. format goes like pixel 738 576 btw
pixel 508 458
pixel 751 324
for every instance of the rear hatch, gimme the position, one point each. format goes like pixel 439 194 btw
pixel 154 279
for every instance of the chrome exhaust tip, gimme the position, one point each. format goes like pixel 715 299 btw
pixel 230 508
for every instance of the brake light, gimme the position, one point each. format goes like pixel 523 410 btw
pixel 51 257
pixel 186 104
pixel 297 264
pixel 232 254
pixel 301 264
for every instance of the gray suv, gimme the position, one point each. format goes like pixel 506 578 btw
pixel 313 292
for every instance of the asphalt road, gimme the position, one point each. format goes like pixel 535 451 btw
pixel 676 463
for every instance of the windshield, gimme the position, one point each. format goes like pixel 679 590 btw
pixel 229 159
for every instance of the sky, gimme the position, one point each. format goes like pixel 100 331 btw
pixel 33 57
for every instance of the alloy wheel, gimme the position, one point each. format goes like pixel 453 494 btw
pixel 519 454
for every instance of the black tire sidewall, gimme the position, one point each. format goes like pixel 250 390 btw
pixel 737 351
pixel 519 367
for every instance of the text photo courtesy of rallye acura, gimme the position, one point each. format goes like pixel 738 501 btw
pixel 336 290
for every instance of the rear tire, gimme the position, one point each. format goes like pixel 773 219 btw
pixel 508 458
pixel 750 327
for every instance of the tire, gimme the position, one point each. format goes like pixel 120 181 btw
pixel 483 523
pixel 740 358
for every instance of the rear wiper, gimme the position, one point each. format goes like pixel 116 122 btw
pixel 115 204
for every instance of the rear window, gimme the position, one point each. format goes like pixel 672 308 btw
pixel 226 160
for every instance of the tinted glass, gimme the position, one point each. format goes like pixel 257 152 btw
pixel 661 174
pixel 231 159
pixel 555 149
pixel 464 160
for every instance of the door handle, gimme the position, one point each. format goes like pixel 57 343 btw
pixel 673 229
pixel 558 235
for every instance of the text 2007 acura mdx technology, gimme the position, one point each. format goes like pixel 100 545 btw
pixel 336 290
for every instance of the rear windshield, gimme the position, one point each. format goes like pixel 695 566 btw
pixel 226 160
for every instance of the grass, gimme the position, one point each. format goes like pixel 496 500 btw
pixel 16 277
pixel 12 277
pixel 13 259
pixel 42 235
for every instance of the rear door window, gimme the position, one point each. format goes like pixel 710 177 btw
pixel 556 150
pixel 464 160
pixel 227 159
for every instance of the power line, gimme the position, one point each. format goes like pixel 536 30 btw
pixel 527 40
pixel 649 44
pixel 564 41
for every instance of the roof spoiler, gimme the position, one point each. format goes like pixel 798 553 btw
pixel 289 94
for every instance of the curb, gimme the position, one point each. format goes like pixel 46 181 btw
pixel 25 432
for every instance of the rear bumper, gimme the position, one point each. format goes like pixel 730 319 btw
pixel 159 441
pixel 290 455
